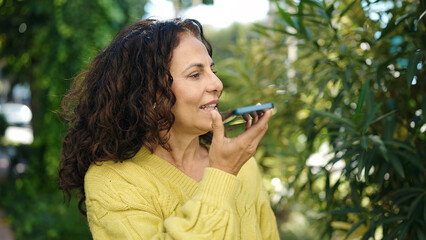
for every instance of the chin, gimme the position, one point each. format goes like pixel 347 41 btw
pixel 204 130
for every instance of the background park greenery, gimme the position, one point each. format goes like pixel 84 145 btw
pixel 345 154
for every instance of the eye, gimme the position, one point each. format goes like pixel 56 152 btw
pixel 195 75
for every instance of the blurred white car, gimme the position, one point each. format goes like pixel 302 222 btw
pixel 16 113
pixel 18 116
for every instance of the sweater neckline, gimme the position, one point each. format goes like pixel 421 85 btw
pixel 166 170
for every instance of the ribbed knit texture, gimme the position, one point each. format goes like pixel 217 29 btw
pixel 147 198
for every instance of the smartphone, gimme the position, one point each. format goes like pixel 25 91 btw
pixel 249 109
pixel 254 108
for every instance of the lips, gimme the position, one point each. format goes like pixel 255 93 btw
pixel 210 105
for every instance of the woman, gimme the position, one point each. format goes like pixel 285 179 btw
pixel 137 145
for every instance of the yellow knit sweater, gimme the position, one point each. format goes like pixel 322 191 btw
pixel 147 198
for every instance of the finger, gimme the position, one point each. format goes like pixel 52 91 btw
pixel 248 124
pixel 263 124
pixel 257 131
pixel 217 126
pixel 248 120
pixel 254 117
pixel 265 116
pixel 255 114
pixel 246 117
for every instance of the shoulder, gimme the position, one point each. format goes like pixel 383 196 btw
pixel 114 178
pixel 117 186
pixel 110 171
pixel 131 170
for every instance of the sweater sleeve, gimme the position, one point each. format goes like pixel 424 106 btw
pixel 114 214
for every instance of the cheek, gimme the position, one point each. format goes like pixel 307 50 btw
pixel 188 95
pixel 183 103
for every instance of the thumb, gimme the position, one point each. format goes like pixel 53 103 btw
pixel 217 125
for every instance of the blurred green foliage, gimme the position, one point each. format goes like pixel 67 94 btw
pixel 347 144
pixel 46 43
pixel 3 125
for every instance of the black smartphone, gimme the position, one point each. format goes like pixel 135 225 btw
pixel 248 109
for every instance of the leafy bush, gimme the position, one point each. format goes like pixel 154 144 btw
pixel 346 145
pixel 368 103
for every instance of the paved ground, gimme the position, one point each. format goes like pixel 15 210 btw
pixel 5 232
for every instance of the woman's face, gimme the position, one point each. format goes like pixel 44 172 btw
pixel 195 85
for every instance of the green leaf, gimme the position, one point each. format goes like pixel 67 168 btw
pixel 389 28
pixel 424 211
pixel 360 103
pixel 347 8
pixel 412 158
pixel 415 206
pixel 334 117
pixel 379 142
pixel 354 227
pixel 402 200
pixel 361 164
pixel 397 165
pixel 400 144
pixel 394 231
pixel 285 16
pixel 404 231
pixel 412 66
pixel 369 161
pixel 383 116
pixel 370 102
pixel 208 2
pixel 409 190
pixel 308 34
pixel 390 220
pixel 371 115
pixel 324 15
pixel 362 95
pixel 424 107
pixel 420 234
pixel 329 10
pixel 356 198
pixel 364 142
pixel 314 3
pixel 347 76
pixel 276 30
pixel 389 128
pixel 344 211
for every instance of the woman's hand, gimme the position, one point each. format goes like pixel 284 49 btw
pixel 230 154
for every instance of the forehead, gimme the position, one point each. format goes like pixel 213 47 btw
pixel 187 38
pixel 188 50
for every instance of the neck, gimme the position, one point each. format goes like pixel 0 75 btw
pixel 187 155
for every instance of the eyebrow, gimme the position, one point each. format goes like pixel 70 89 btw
pixel 198 65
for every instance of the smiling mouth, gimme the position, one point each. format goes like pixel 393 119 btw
pixel 209 107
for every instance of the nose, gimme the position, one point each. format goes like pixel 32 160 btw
pixel 215 85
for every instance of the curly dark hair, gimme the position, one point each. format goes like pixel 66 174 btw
pixel 123 101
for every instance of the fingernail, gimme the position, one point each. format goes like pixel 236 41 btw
pixel 213 115
pixel 257 104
